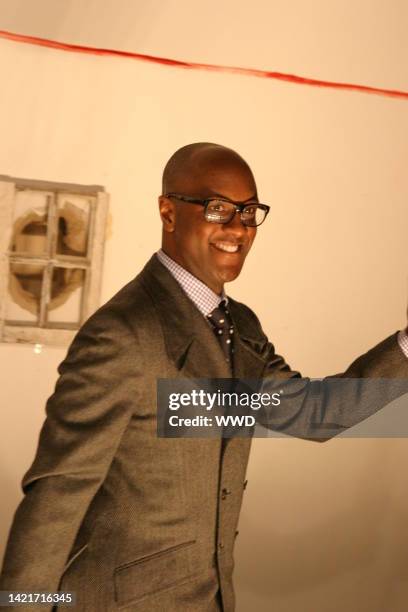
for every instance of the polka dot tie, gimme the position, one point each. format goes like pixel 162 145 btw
pixel 221 322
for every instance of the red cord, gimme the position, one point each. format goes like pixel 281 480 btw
pixel 280 76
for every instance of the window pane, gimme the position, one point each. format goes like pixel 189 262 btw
pixel 74 216
pixel 67 287
pixel 30 223
pixel 24 293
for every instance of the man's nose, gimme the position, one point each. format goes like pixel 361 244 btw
pixel 236 225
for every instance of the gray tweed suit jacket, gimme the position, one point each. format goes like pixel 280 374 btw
pixel 127 520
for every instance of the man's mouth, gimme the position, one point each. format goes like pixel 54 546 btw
pixel 227 247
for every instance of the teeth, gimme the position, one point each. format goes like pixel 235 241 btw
pixel 226 246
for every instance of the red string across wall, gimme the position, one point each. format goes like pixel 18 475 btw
pixel 252 72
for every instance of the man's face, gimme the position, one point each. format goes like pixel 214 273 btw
pixel 212 252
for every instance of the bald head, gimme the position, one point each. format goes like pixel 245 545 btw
pixel 189 167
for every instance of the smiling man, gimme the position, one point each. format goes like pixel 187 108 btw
pixel 112 513
pixel 209 177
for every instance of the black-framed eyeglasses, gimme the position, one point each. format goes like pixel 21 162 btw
pixel 220 210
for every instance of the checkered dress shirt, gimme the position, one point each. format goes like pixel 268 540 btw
pixel 206 300
pixel 202 296
pixel 403 341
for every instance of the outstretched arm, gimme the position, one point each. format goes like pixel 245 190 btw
pixel 321 409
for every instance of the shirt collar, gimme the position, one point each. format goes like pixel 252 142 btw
pixel 204 298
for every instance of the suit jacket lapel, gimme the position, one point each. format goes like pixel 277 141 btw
pixel 247 362
pixel 190 342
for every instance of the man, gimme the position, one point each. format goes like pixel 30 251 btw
pixel 125 519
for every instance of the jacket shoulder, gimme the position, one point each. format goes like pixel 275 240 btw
pixel 117 320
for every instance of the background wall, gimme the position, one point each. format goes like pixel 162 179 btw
pixel 323 527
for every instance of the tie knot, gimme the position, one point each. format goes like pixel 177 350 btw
pixel 220 318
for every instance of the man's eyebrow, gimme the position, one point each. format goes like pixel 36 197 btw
pixel 224 197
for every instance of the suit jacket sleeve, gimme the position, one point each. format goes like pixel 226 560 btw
pixel 86 417
pixel 321 409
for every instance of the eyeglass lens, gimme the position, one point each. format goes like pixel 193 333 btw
pixel 219 211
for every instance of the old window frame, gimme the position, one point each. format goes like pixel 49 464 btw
pixel 51 333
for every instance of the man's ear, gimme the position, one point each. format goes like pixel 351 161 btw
pixel 167 213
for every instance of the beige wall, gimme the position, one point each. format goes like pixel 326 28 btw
pixel 323 527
